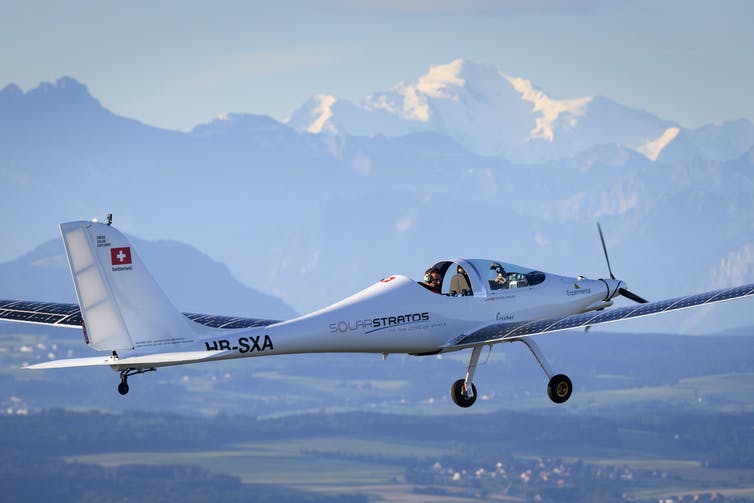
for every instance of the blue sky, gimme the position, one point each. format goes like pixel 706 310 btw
pixel 175 64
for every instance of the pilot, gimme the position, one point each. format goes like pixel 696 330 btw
pixel 432 280
pixel 459 283
pixel 500 280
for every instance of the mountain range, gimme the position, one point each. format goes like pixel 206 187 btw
pixel 466 161
pixel 492 113
pixel 194 282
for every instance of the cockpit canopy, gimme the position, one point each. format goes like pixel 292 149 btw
pixel 482 277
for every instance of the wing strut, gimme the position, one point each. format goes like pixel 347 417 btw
pixel 538 355
pixel 559 386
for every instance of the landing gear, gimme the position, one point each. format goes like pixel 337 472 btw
pixel 459 396
pixel 559 388
pixel 463 391
pixel 125 374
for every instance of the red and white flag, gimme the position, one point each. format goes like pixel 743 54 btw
pixel 120 256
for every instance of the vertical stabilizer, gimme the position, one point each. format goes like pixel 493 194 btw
pixel 121 304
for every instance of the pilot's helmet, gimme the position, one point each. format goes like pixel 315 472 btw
pixel 497 268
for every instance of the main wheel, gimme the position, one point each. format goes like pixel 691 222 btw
pixel 123 388
pixel 559 388
pixel 456 393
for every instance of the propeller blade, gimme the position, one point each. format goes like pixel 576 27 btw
pixel 604 249
pixel 630 295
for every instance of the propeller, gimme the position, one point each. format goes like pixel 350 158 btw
pixel 621 291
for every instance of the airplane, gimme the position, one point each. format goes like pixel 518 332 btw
pixel 461 304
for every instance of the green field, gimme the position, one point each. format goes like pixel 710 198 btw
pixel 312 464
pixel 283 462
pixel 340 465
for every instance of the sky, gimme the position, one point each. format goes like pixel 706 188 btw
pixel 176 64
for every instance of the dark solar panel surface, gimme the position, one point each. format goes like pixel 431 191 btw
pixel 500 331
pixel 50 313
pixel 228 322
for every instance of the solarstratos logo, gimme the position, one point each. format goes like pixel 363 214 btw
pixel 376 324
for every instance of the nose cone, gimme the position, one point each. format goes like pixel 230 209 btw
pixel 613 287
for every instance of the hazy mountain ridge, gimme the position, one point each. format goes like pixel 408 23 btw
pixel 311 218
pixel 193 281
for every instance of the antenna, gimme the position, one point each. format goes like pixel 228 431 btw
pixel 109 218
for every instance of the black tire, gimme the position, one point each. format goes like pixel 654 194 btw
pixel 123 388
pixel 456 393
pixel 559 388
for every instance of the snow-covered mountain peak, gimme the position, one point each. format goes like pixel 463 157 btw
pixel 410 101
pixel 482 108
pixel 440 79
pixel 313 116
pixel 654 148
pixel 549 109
pixel 492 113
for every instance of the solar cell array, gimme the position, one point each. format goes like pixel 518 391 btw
pixel 501 331
pixel 51 313
pixel 47 313
pixel 228 322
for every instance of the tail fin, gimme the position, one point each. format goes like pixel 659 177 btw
pixel 121 304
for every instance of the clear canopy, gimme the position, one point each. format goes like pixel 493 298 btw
pixel 502 275
pixel 480 277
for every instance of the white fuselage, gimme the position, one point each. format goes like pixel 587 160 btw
pixel 398 315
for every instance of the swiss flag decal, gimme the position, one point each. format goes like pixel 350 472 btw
pixel 120 256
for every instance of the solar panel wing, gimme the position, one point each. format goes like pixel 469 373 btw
pixel 506 331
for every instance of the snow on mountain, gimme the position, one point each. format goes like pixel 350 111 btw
pixel 653 148
pixel 314 115
pixel 311 216
pixel 550 109
pixel 494 114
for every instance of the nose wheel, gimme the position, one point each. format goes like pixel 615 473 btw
pixel 559 388
pixel 463 391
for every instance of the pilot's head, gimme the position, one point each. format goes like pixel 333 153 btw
pixel 460 270
pixel 432 277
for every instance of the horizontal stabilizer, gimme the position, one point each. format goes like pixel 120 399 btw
pixel 73 362
pixel 141 361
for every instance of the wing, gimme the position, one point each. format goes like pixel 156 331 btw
pixel 69 315
pixel 42 313
pixel 500 332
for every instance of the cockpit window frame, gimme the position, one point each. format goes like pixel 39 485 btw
pixel 477 284
pixel 478 272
